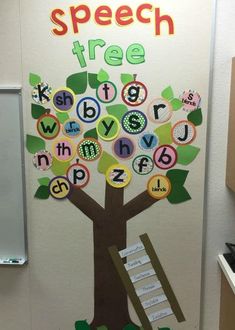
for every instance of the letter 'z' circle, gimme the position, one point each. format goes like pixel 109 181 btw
pixel 88 109
pixel 78 175
pixel 159 186
pixel 118 176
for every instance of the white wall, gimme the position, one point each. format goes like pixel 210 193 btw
pixel 16 284
pixel 220 204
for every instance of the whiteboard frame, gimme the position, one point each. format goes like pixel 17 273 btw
pixel 24 260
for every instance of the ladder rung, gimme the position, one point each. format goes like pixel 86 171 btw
pixel 137 262
pixel 148 288
pixel 154 301
pixel 143 275
pixel 160 314
pixel 131 250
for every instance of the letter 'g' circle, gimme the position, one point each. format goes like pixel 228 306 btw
pixel 88 109
pixel 118 176
pixel 78 175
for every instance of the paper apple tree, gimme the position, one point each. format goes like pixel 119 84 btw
pixel 126 135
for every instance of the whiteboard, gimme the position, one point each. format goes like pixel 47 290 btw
pixel 13 239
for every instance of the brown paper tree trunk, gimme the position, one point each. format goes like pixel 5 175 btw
pixel 109 228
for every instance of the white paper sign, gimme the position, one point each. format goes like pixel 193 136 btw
pixel 142 275
pixel 160 315
pixel 154 301
pixel 131 250
pixel 148 288
pixel 137 262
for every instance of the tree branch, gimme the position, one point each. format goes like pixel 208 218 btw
pixel 113 199
pixel 87 205
pixel 137 205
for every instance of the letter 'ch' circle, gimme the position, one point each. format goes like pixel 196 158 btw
pixel 59 187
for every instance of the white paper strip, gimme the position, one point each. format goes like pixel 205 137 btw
pixel 148 288
pixel 131 250
pixel 160 314
pixel 137 262
pixel 154 301
pixel 143 275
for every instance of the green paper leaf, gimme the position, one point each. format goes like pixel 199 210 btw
pixel 37 111
pixel 34 79
pixel 164 134
pixel 44 181
pixel 176 104
pixel 178 193
pixel 106 160
pixel 164 328
pixel 59 168
pixel 77 82
pixel 34 144
pixel 92 133
pixel 196 117
pixel 62 116
pixel 102 327
pixel 130 327
pixel 42 192
pixel 93 81
pixel 117 110
pixel 82 325
pixel 102 76
pixel 186 154
pixel 168 93
pixel 126 78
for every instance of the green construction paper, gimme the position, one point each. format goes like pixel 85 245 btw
pixel 105 161
pixel 164 328
pixel 103 327
pixel 196 117
pixel 34 144
pixel 164 134
pixel 62 116
pixel 126 78
pixel 168 93
pixel 117 110
pixel 92 133
pixel 42 192
pixel 34 79
pixel 186 154
pixel 176 104
pixel 177 176
pixel 77 82
pixel 44 181
pixel 37 110
pixel 130 327
pixel 102 76
pixel 59 168
pixel 93 81
pixel 178 192
pixel 82 325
